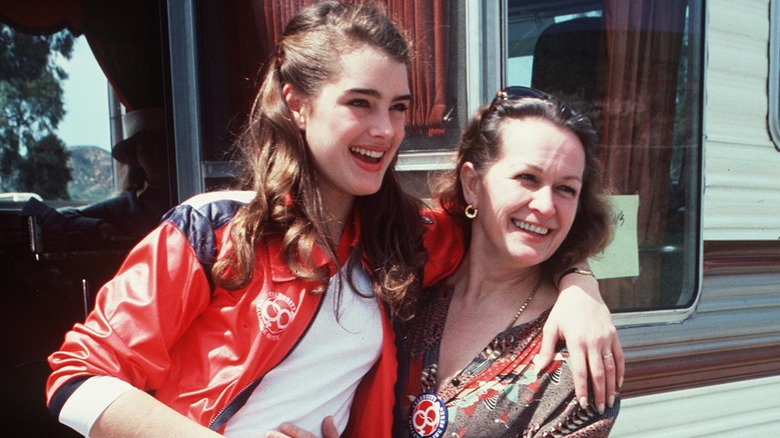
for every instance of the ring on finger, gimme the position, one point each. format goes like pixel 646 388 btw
pixel 607 356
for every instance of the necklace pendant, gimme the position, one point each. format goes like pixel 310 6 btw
pixel 428 417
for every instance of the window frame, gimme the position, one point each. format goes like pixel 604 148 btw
pixel 482 44
pixel 774 73
pixel 477 78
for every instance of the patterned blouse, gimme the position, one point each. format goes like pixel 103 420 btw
pixel 497 394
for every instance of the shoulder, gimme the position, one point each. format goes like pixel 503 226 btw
pixel 224 201
pixel 440 225
pixel 434 216
pixel 202 217
pixel 203 199
pixel 444 243
pixel 213 209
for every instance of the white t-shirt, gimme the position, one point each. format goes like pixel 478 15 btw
pixel 320 376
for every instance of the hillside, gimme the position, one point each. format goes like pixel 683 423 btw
pixel 91 170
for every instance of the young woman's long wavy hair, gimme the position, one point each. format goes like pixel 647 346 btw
pixel 481 145
pixel 280 170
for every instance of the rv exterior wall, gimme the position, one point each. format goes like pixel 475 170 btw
pixel 741 164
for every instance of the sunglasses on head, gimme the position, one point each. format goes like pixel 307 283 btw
pixel 518 92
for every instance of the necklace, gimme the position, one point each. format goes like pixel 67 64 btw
pixel 456 381
pixel 525 304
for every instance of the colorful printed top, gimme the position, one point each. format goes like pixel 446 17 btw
pixel 497 394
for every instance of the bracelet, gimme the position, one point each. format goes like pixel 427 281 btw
pixel 575 270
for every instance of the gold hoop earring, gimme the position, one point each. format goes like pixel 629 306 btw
pixel 470 211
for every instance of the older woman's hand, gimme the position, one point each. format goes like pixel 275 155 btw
pixel 581 318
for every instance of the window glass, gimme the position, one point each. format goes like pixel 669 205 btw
pixel 54 120
pixel 237 39
pixel 635 69
pixel 85 128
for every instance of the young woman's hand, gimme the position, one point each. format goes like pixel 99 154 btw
pixel 287 430
pixel 583 320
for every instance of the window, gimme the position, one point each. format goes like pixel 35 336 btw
pixel 54 96
pixel 236 38
pixel 635 69
pixel 68 141
pixel 774 72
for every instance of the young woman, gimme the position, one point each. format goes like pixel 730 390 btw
pixel 244 310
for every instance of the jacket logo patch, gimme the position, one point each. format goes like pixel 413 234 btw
pixel 275 314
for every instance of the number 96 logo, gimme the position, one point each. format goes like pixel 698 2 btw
pixel 275 314
pixel 429 417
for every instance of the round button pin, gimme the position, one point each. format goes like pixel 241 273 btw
pixel 428 418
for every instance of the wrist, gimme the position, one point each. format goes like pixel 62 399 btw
pixel 575 270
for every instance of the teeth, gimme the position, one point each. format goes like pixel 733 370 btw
pixel 532 228
pixel 367 153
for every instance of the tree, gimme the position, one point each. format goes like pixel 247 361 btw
pixel 42 172
pixel 31 108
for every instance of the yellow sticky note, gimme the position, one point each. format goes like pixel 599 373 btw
pixel 621 257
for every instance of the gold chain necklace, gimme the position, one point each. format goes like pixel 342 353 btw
pixel 456 380
pixel 525 304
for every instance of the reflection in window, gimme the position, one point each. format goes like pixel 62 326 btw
pixel 634 68
pixel 52 141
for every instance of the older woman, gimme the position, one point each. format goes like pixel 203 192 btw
pixel 527 189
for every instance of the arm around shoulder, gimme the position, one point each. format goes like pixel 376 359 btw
pixel 581 317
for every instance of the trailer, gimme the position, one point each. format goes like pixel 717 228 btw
pixel 686 98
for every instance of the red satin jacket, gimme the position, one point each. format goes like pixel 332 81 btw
pixel 163 326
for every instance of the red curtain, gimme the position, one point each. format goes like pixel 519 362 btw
pixel 426 24
pixel 644 40
pixel 123 35
pixel 43 16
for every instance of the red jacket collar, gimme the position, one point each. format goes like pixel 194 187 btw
pixel 350 238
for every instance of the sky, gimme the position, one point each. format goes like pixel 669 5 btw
pixel 86 121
